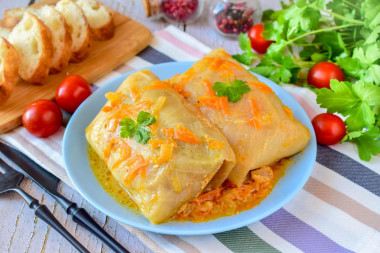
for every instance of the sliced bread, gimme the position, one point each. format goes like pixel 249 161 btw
pixel 54 20
pixel 4 32
pixel 32 40
pixel 99 17
pixel 61 37
pixel 9 63
pixel 11 17
pixel 78 27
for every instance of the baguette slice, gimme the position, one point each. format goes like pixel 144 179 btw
pixel 32 40
pixel 99 17
pixel 5 32
pixel 79 29
pixel 12 17
pixel 9 63
pixel 54 20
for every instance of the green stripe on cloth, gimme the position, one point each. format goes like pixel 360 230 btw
pixel 243 240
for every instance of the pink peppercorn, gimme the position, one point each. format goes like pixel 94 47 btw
pixel 232 17
pixel 179 10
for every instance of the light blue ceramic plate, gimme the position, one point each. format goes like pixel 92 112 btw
pixel 77 165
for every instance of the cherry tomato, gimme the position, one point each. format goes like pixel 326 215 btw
pixel 42 118
pixel 329 128
pixel 72 92
pixel 258 42
pixel 321 73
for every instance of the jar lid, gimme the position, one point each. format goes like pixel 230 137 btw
pixel 151 7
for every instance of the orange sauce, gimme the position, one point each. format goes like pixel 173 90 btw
pixel 225 201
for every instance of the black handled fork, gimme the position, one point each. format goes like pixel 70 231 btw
pixel 10 180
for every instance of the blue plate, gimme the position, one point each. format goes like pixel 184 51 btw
pixel 79 171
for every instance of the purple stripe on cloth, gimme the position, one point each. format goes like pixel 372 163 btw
pixel 300 234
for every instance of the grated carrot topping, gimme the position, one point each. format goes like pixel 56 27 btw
pixel 181 133
pixel 209 91
pixel 138 166
pixel 107 150
pixel 223 103
pixel 169 132
pixel 213 144
pixel 261 86
pixel 112 124
pixel 113 96
pixel 107 108
pixel 143 105
pixel 117 143
pixel 179 85
pixel 135 92
pixel 224 53
pixel 158 143
pixel 166 153
pixel 255 114
pixel 219 103
pixel 289 112
pixel 157 85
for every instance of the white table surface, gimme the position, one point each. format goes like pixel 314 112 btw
pixel 20 231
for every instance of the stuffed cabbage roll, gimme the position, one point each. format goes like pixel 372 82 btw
pixel 260 129
pixel 161 150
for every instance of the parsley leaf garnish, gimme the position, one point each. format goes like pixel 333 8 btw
pixel 247 56
pixel 233 91
pixel 138 128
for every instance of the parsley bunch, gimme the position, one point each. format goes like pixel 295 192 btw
pixel 137 128
pixel 345 32
pixel 233 91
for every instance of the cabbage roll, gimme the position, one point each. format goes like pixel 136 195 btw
pixel 260 129
pixel 159 147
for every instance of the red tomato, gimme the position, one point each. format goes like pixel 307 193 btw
pixel 258 42
pixel 329 128
pixel 72 92
pixel 42 118
pixel 321 73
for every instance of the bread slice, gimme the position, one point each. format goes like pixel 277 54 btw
pixel 99 17
pixel 9 63
pixel 32 40
pixel 54 20
pixel 61 37
pixel 5 32
pixel 12 17
pixel 78 27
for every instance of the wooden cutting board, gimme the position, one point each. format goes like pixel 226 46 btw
pixel 129 39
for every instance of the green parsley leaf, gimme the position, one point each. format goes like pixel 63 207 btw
pixel 130 128
pixel 368 143
pixel 142 135
pixel 247 56
pixel 233 91
pixel 263 70
pixel 244 58
pixel 350 66
pixel 244 42
pixel 145 119
pixel 339 98
pixel 367 92
pixel 267 15
pixel 372 74
pixel 359 117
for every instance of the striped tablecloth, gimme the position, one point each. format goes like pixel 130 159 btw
pixel 338 210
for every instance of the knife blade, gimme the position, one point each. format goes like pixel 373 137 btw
pixel 49 182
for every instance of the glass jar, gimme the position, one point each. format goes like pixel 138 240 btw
pixel 231 17
pixel 174 11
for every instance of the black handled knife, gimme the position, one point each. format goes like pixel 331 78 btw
pixel 49 182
